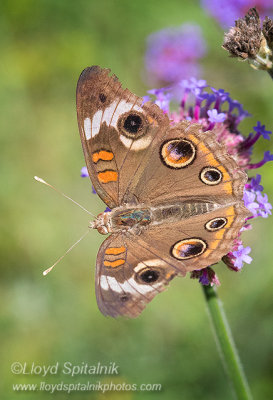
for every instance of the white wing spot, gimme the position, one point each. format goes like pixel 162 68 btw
pixel 113 112
pixel 96 123
pixel 106 281
pixel 87 128
pixel 129 286
pixel 132 286
pixel 108 113
pixel 139 144
pixel 150 263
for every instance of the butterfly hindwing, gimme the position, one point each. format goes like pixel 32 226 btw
pixel 128 276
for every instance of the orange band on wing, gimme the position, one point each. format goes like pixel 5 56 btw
pixel 113 264
pixel 115 250
pixel 108 176
pixel 102 155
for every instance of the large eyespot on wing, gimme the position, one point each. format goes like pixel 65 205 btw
pixel 133 124
pixel 188 248
pixel 133 127
pixel 126 283
pixel 177 153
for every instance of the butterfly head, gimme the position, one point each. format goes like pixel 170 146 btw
pixel 102 223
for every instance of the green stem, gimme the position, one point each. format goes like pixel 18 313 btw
pixel 226 345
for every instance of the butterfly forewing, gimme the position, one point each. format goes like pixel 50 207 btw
pixel 116 132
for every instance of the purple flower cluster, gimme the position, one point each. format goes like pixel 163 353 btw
pixel 216 110
pixel 173 53
pixel 227 11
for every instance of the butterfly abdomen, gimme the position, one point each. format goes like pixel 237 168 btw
pixel 183 210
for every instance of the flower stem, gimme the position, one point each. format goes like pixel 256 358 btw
pixel 226 345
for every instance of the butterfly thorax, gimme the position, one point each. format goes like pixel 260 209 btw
pixel 135 219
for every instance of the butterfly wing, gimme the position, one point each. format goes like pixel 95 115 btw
pixel 129 276
pixel 116 131
pixel 198 241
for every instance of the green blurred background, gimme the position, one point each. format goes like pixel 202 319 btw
pixel 45 44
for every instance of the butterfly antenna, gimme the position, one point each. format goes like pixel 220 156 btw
pixel 67 251
pixel 58 191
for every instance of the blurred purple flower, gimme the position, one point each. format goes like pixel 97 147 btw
pixel 227 11
pixel 173 54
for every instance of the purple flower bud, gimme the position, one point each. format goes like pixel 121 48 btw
pixel 206 276
pixel 84 172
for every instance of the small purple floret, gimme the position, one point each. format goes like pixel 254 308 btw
pixel 255 184
pixel 215 117
pixel 265 206
pixel 241 256
pixel 250 203
pixel 259 128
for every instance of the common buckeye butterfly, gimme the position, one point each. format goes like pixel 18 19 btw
pixel 174 192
